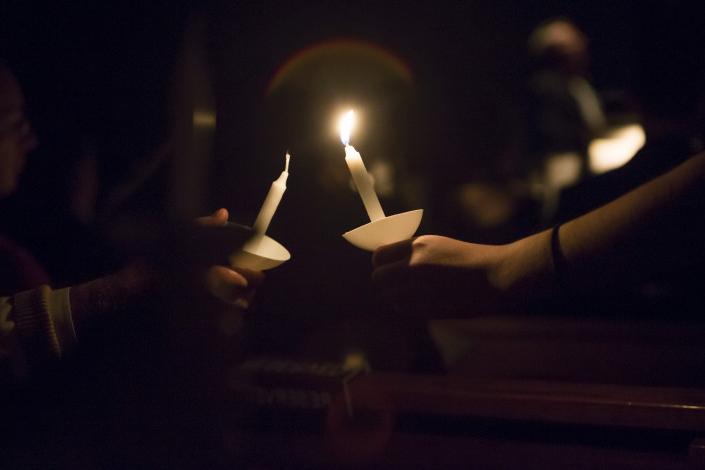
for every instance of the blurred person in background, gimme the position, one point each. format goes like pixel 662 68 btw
pixel 563 114
pixel 564 110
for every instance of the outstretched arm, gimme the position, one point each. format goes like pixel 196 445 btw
pixel 648 230
pixel 46 321
pixel 117 291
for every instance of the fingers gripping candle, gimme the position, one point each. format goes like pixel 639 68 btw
pixel 360 177
pixel 274 196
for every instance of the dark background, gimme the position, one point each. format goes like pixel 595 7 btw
pixel 101 72
pixel 106 80
pixel 100 78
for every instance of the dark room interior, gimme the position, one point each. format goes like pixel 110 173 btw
pixel 513 278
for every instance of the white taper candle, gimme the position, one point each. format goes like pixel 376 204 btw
pixel 363 183
pixel 362 179
pixel 271 202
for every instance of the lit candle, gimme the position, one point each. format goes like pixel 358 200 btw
pixel 362 180
pixel 274 196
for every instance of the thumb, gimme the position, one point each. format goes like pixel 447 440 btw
pixel 217 218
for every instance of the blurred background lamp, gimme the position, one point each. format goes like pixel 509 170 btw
pixel 616 148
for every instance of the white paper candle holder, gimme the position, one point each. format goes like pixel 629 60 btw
pixel 390 229
pixel 259 254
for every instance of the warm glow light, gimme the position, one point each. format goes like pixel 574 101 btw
pixel 615 149
pixel 346 124
pixel 203 118
pixel 562 169
pixel 317 64
pixel 355 361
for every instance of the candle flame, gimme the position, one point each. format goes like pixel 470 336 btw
pixel 347 122
pixel 286 165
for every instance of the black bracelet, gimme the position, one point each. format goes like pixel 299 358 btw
pixel 559 261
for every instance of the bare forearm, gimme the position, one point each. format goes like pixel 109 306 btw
pixel 643 232
pixel 648 230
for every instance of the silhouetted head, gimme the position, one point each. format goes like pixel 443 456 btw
pixel 558 44
pixel 16 136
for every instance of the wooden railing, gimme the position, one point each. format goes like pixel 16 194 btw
pixel 413 421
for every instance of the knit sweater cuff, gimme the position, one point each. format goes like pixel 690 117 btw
pixel 60 310
pixel 43 321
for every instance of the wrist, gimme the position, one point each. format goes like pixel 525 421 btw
pixel 110 294
pixel 524 271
